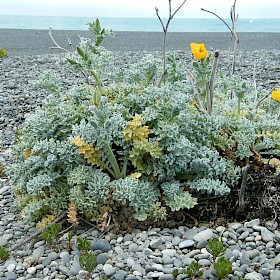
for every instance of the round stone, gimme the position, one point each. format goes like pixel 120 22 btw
pixel 38 252
pixel 186 244
pixel 3 242
pixel 102 245
pixel 203 235
pixel 204 262
pixel 101 258
pixel 11 267
pixel 156 243
pixel 120 275
pixel 31 270
pixel 134 248
pixel 109 270
pixel 253 276
pixel 275 274
pixel 65 257
pixel 176 240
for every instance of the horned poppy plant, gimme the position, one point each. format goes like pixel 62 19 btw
pixel 276 94
pixel 199 51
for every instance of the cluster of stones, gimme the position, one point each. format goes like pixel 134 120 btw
pixel 253 250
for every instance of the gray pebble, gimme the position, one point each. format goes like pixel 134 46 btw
pixel 203 235
pixel 102 245
pixel 10 276
pixel 64 270
pixel 267 235
pixel 31 270
pixel 120 275
pixel 134 248
pixel 186 244
pixel 275 274
pixel 109 270
pixel 253 276
pixel 255 222
pixel 204 262
pixel 166 277
pixel 65 257
pixel 101 258
pixel 3 242
pixel 38 252
pixel 156 243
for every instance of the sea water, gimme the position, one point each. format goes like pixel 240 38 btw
pixel 137 24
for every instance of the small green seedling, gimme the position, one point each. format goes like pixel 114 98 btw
pixel 83 245
pixel 50 234
pixel 88 262
pixel 4 254
pixel 69 239
pixel 223 267
pixel 215 247
pixel 175 272
pixel 193 270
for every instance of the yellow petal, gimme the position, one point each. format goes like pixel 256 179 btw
pixel 276 94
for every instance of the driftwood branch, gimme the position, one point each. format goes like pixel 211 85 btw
pixel 234 37
pixel 23 242
pixel 204 10
pixel 57 46
pixel 242 188
pixel 165 28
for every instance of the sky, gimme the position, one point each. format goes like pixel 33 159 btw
pixel 140 8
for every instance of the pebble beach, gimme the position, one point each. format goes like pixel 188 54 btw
pixel 253 247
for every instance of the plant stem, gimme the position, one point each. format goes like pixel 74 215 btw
pixel 238 105
pixel 113 162
pixel 210 85
pixel 124 169
pixel 165 29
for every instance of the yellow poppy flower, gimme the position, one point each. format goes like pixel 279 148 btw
pixel 199 51
pixel 276 94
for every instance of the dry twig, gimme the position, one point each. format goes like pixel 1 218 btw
pixel 23 242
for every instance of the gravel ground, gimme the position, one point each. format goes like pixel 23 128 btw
pixel 32 42
pixel 253 248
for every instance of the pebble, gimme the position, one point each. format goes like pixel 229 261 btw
pixel 31 270
pixel 186 244
pixel 65 257
pixel 38 252
pixel 275 274
pixel 253 276
pixel 203 235
pixel 3 242
pixel 109 270
pixel 102 258
pixel 102 244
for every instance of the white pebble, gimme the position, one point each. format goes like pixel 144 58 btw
pixel 31 270
pixel 11 267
